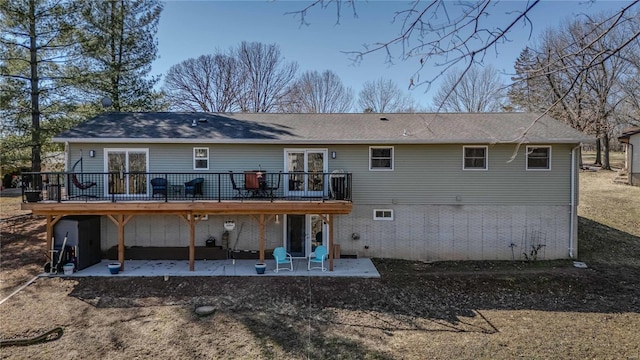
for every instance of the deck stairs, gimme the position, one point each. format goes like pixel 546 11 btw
pixel 622 177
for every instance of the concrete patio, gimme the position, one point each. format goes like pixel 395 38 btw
pixel 362 267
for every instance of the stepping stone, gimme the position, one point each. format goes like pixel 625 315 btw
pixel 205 310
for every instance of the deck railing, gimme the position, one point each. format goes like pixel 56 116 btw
pixel 195 186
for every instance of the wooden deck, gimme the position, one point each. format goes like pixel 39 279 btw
pixel 120 213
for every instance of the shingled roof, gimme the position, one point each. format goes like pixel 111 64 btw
pixel 628 132
pixel 396 128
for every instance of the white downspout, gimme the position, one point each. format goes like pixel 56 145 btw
pixel 573 216
pixel 66 156
pixel 630 167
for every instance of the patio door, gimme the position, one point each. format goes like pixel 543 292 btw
pixel 305 168
pixel 127 171
pixel 303 234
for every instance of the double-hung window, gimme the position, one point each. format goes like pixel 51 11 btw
pixel 538 157
pixel 200 158
pixel 381 158
pixel 475 158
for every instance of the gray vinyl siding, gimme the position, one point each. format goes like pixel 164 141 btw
pixel 432 174
pixel 423 174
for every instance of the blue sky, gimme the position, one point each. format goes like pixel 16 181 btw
pixel 189 29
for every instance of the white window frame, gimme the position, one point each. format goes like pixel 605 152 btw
pixel 371 168
pixel 526 158
pixel 383 218
pixel 486 157
pixel 195 159
pixel 127 151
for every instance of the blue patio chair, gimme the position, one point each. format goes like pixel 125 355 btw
pixel 194 187
pixel 159 186
pixel 319 256
pixel 282 257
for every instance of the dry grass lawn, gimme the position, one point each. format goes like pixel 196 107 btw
pixel 470 310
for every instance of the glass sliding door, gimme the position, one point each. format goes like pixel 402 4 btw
pixel 316 226
pixel 306 168
pixel 127 171
pixel 296 235
pixel 304 233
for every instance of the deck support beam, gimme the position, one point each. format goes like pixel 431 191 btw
pixel 192 219
pixel 51 222
pixel 120 222
pixel 192 242
pixel 331 254
pixel 262 231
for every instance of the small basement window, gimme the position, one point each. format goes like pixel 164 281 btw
pixel 383 214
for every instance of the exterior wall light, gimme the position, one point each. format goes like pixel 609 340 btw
pixel 229 225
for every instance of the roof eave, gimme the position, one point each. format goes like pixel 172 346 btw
pixel 320 141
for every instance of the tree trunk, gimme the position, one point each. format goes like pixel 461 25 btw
pixel 598 160
pixel 36 164
pixel 605 152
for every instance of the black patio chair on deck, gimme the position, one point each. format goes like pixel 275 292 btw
pixel 159 186
pixel 239 194
pixel 194 187
pixel 274 187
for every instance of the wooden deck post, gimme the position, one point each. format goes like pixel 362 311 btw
pixel 121 241
pixel 49 238
pixel 192 242
pixel 330 223
pixel 262 226
pixel 51 222
pixel 120 222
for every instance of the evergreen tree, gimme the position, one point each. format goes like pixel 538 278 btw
pixel 117 42
pixel 529 88
pixel 35 43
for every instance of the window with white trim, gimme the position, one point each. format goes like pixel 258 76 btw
pixel 383 214
pixel 475 158
pixel 538 157
pixel 381 158
pixel 200 158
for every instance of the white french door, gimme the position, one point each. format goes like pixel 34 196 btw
pixel 306 169
pixel 127 171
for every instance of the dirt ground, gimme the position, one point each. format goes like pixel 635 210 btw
pixel 416 310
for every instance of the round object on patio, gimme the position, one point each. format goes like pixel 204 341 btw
pixel 261 267
pixel 205 310
pixel 114 268
pixel 68 268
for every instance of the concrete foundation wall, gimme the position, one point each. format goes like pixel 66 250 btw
pixel 449 232
pixel 417 232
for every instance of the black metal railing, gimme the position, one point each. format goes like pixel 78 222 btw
pixel 139 186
